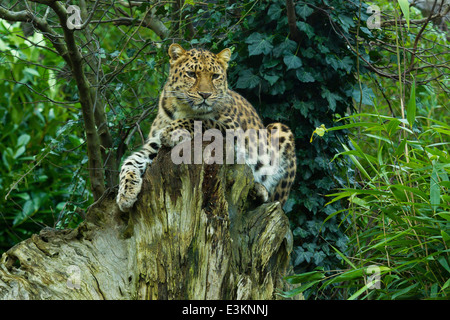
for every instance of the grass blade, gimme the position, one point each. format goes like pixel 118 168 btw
pixel 404 6
pixel 411 108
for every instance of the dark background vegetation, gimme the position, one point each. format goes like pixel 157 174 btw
pixel 73 103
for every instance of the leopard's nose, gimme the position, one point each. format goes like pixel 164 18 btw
pixel 204 95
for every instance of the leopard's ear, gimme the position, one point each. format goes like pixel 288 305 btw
pixel 225 55
pixel 175 51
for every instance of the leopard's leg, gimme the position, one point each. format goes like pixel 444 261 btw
pixel 276 167
pixel 133 169
pixel 187 128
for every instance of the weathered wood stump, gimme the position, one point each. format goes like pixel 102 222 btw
pixel 195 233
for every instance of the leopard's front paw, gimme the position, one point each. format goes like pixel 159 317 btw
pixel 124 202
pixel 129 188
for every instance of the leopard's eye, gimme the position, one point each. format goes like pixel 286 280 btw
pixel 191 74
pixel 215 76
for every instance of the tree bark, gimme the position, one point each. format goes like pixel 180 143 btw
pixel 195 232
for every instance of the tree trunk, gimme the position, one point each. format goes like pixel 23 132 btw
pixel 194 233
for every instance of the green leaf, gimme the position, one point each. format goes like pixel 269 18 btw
pixel 357 163
pixel 337 63
pixel 306 28
pixel 303 10
pixel 446 284
pixel 31 71
pixel 445 215
pixel 303 107
pixel 346 276
pixel 401 148
pixel 29 208
pixel 331 97
pixel 299 290
pixel 346 21
pixel 274 12
pixel 284 48
pixel 411 108
pixel 305 277
pixel 23 140
pixel 259 44
pixel 292 61
pixel 404 6
pixel 435 192
pixel 445 236
pixel 392 127
pixel 344 257
pixel 360 291
pixel 247 80
pixel 404 291
pixel 367 95
pixel 271 78
pixel 304 76
pixel 19 152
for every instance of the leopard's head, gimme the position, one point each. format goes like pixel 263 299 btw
pixel 197 77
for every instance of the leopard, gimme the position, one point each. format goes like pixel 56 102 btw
pixel 196 91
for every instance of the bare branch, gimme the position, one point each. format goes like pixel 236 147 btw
pixel 295 33
pixel 417 21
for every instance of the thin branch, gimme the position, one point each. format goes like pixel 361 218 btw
pixel 151 22
pixel 417 21
pixel 292 19
pixel 91 14
pixel 48 99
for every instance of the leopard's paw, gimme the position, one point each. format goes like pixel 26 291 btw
pixel 129 188
pixel 125 203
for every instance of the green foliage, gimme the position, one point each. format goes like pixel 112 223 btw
pixel 36 137
pixel 401 213
pixel 398 199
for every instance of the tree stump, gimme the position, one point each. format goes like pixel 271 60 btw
pixel 195 232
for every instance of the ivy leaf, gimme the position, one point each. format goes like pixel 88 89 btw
pixel 319 256
pixel 302 255
pixel 247 80
pixel 346 22
pixel 303 107
pixel 302 233
pixel 304 76
pixel 278 88
pixel 274 12
pixel 306 28
pixel 303 10
pixel 309 53
pixel 271 79
pixel 337 63
pixel 367 95
pixel 259 43
pixel 284 48
pixel 331 97
pixel 292 61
